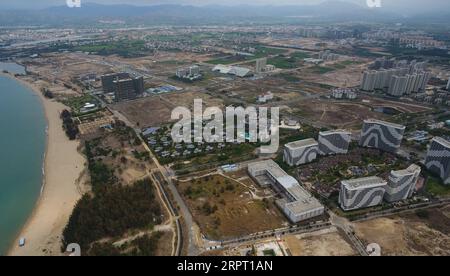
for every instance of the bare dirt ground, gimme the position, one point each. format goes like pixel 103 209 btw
pixel 164 247
pixel 339 114
pixel 156 110
pixel 233 213
pixel 350 76
pixel 409 234
pixel 327 242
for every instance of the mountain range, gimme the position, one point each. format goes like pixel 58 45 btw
pixel 90 13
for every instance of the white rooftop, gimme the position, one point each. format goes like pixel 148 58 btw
pixel 270 166
pixel 375 121
pixel 234 70
pixel 363 183
pixel 304 205
pixel 442 141
pixel 302 143
pixel 304 201
pixel 337 131
pixel 410 170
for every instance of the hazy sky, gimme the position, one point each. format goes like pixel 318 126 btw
pixel 393 5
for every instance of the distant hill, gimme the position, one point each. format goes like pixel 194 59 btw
pixel 90 13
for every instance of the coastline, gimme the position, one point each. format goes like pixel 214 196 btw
pixel 61 169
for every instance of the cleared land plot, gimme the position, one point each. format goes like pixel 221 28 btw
pixel 336 114
pixel 156 111
pixel 337 74
pixel 224 208
pixel 424 233
pixel 322 243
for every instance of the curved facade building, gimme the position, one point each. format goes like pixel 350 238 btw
pixel 381 135
pixel 438 158
pixel 401 184
pixel 301 152
pixel 334 142
pixel 361 193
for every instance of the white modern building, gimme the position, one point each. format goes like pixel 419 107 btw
pixel 301 152
pixel 297 203
pixel 334 142
pixel 361 193
pixel 438 158
pixel 381 135
pixel 401 183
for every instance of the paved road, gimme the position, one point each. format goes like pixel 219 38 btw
pixel 292 230
pixel 404 209
pixel 346 226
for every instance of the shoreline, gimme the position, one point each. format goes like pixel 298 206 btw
pixel 59 191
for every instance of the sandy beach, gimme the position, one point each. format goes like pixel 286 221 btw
pixel 63 167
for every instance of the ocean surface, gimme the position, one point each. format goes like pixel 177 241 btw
pixel 22 145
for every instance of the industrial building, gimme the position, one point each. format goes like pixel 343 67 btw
pixel 438 158
pixel 381 135
pixel 241 72
pixel 334 142
pixel 401 183
pixel 301 152
pixel 297 203
pixel 361 193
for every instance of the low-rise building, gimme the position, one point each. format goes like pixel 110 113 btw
pixel 297 203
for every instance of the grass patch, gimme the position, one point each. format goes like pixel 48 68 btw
pixel 436 187
pixel 289 77
pixel 123 48
pixel 283 62
pixel 321 70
